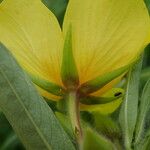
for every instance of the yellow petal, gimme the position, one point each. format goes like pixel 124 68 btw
pixel 33 35
pixel 107 34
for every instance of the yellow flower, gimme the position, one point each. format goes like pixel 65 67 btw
pixel 106 35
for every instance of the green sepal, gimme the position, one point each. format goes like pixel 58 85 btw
pixel 110 96
pixel 108 103
pixel 95 141
pixel 69 73
pixel 47 86
pixel 100 81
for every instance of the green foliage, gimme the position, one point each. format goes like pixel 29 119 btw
pixel 8 139
pixel 30 116
pixel 128 113
pixel 11 142
pixel 107 126
pixel 143 121
pixel 146 60
pixel 95 141
pixel 145 75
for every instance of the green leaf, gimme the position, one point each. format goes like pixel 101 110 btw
pixel 99 82
pixel 28 113
pixel 143 121
pixel 94 141
pixel 69 73
pixel 128 112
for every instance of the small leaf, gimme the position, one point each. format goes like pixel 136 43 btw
pixel 28 113
pixel 143 121
pixel 69 71
pixel 94 141
pixel 128 112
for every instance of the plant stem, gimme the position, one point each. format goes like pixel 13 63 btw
pixel 74 114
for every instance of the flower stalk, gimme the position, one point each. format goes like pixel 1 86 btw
pixel 74 114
